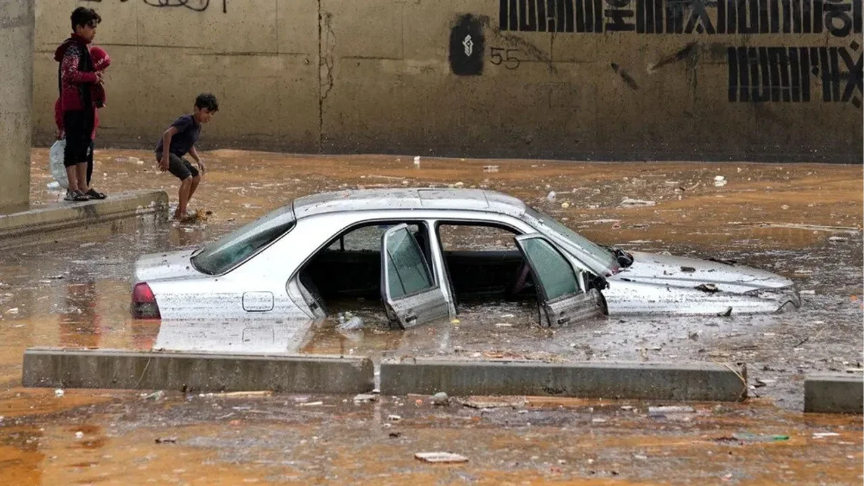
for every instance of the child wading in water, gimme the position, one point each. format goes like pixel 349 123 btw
pixel 180 139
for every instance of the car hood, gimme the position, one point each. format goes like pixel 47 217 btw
pixel 160 266
pixel 692 272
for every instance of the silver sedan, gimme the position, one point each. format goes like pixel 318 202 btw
pixel 423 252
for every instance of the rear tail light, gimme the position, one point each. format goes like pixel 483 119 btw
pixel 144 304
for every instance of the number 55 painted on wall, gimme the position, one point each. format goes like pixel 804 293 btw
pixel 510 61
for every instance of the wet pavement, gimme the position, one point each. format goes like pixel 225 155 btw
pixel 801 221
pixel 292 439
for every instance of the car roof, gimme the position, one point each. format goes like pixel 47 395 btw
pixel 408 199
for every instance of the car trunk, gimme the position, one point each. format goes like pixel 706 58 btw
pixel 159 266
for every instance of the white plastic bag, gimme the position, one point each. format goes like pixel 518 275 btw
pixel 58 170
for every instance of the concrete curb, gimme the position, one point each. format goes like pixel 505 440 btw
pixel 194 372
pixel 833 393
pixel 65 215
pixel 655 381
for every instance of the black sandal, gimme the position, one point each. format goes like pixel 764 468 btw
pixel 94 194
pixel 76 196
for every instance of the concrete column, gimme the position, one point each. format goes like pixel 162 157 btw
pixel 17 18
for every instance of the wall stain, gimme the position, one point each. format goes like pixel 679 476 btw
pixel 24 17
pixel 325 61
pixel 625 76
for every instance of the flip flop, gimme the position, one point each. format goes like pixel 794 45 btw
pixel 76 196
pixel 94 194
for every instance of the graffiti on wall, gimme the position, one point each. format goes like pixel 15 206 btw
pixel 840 18
pixel 762 74
pixel 756 74
pixel 467 46
pixel 194 5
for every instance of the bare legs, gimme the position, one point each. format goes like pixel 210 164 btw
pixel 187 189
pixel 77 176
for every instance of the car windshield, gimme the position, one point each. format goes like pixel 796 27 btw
pixel 546 224
pixel 237 246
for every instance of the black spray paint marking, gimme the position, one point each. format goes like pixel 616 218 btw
pixel 195 5
pixel 783 74
pixel 552 15
pixel 467 46
pixel 625 76
pixel 840 18
pixel 678 56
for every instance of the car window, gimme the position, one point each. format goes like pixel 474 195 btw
pixel 551 268
pixel 237 246
pixel 475 238
pixel 546 224
pixel 407 271
pixel 366 238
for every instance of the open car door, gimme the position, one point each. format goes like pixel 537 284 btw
pixel 563 299
pixel 411 296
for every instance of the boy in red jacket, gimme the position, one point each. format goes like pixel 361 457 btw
pixel 76 79
pixel 101 61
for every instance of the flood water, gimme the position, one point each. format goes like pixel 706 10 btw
pixel 801 221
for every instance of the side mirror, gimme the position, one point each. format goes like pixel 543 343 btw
pixel 624 259
pixel 596 282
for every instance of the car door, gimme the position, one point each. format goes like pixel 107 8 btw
pixel 411 295
pixel 562 298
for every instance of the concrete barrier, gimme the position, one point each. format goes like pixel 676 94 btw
pixel 834 393
pixel 65 215
pixel 193 372
pixel 655 381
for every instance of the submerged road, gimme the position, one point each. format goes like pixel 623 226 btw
pixel 801 221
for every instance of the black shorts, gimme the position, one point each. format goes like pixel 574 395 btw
pixel 179 167
pixel 78 126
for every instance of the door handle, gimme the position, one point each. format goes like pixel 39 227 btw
pixel 411 317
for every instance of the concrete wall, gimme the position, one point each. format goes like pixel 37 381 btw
pixel 617 79
pixel 16 98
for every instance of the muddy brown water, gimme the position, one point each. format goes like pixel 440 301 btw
pixel 801 221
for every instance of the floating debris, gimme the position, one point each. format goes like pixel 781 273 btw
pixel 440 457
pixel 365 398
pixel 310 404
pixel 440 399
pixel 670 409
pixel 708 288
pixel 627 202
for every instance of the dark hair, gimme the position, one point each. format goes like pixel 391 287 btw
pixel 207 100
pixel 85 16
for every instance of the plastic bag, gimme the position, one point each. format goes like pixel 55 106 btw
pixel 58 170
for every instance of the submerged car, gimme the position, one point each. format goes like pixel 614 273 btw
pixel 425 252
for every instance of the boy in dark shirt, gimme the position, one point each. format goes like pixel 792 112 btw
pixel 180 139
